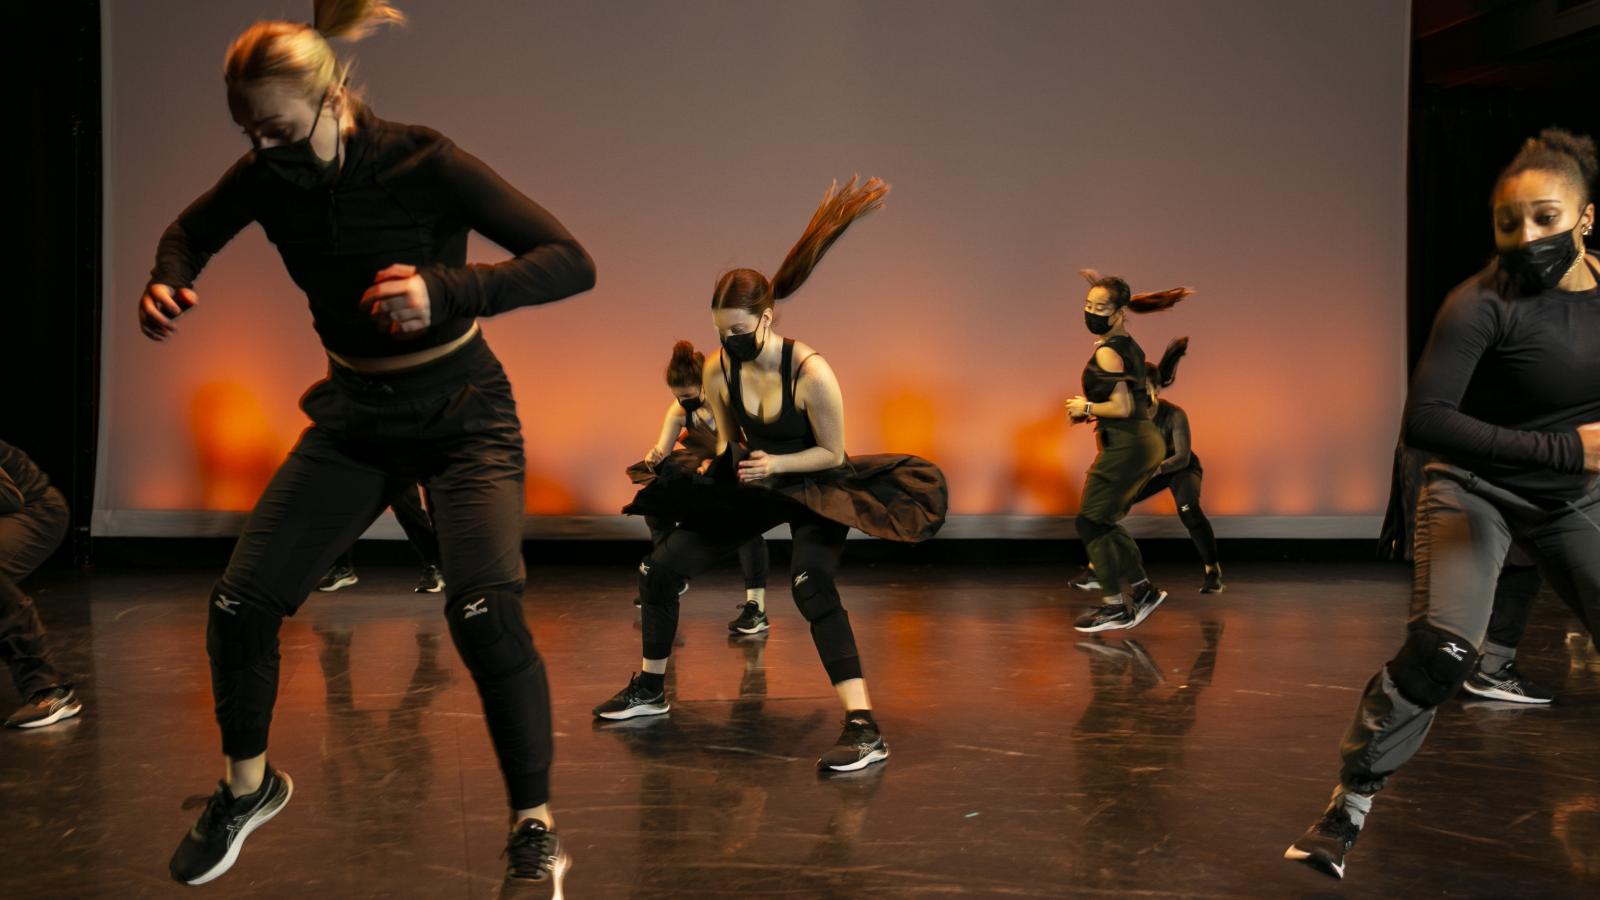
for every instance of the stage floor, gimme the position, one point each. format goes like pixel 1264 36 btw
pixel 1177 760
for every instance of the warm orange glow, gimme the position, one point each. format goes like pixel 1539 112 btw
pixel 1040 482
pixel 908 422
pixel 544 496
pixel 236 447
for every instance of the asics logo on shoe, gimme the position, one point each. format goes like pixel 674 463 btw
pixel 477 607
pixel 1454 651
pixel 801 578
pixel 226 605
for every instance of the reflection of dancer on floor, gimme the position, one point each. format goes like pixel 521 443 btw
pixel 1507 398
pixel 378 766
pixel 1179 472
pixel 1131 449
pixel 33 521
pixel 783 400
pixel 1129 746
pixel 411 510
pixel 690 426
pixel 371 218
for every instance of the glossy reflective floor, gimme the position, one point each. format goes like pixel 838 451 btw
pixel 1176 761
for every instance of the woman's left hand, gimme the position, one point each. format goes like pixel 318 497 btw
pixel 758 465
pixel 398 301
pixel 1078 408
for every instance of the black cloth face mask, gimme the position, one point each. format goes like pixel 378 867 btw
pixel 1540 265
pixel 298 164
pixel 692 404
pixel 1097 324
pixel 744 347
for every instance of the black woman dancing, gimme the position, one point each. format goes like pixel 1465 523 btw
pixel 690 426
pixel 781 459
pixel 1506 398
pixel 371 218
pixel 1179 472
pixel 1116 398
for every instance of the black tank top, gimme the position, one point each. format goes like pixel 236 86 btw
pixel 791 431
pixel 1098 383
pixel 699 438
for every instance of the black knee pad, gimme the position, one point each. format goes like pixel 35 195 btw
pixel 1431 665
pixel 1090 530
pixel 490 633
pixel 238 633
pixel 815 594
pixel 658 584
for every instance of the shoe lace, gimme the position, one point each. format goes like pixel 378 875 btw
pixel 214 817
pixel 532 851
pixel 1336 823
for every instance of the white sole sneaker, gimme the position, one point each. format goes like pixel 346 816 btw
pixel 875 756
pixel 634 712
pixel 1495 693
pixel 65 712
pixel 1327 866
pixel 337 585
pixel 232 856
pixel 1145 612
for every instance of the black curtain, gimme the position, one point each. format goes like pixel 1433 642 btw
pixel 50 332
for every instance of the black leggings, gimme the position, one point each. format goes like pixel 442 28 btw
pixel 753 557
pixel 1185 487
pixel 818 544
pixel 452 426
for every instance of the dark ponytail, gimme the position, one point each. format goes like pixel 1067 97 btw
pixel 1166 372
pixel 1123 296
pixel 685 367
pixel 749 290
pixel 1562 152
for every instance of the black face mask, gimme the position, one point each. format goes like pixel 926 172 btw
pixel 743 347
pixel 1097 324
pixel 298 164
pixel 1540 265
pixel 690 405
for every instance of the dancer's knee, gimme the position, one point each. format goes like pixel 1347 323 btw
pixel 1431 665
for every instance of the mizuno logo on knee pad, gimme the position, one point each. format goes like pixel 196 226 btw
pixel 226 605
pixel 1454 651
pixel 476 608
pixel 801 578
pixel 644 568
pixel 1183 508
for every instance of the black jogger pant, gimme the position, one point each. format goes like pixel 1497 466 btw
pixel 451 425
pixel 754 560
pixel 1185 487
pixel 27 538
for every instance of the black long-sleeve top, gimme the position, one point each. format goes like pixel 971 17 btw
pixel 21 482
pixel 1174 425
pixel 1504 383
pixel 405 194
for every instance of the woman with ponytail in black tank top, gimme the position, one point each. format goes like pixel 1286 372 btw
pixel 1131 450
pixel 690 426
pixel 781 459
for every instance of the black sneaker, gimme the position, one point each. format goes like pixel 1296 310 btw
pixel 1144 603
pixel 534 855
pixel 212 846
pixel 859 745
pixel 634 700
pixel 1086 580
pixel 1324 845
pixel 1213 583
pixel 1506 684
pixel 752 619
pixel 46 707
pixel 338 577
pixel 1105 618
pixel 431 582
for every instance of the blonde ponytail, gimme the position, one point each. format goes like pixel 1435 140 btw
pixel 300 54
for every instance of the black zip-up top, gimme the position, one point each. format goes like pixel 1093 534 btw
pixel 1504 383
pixel 404 194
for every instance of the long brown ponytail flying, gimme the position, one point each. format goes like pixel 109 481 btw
pixel 750 290
pixel 1122 295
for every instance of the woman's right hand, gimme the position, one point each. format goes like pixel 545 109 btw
pixel 654 456
pixel 160 305
pixel 1590 435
